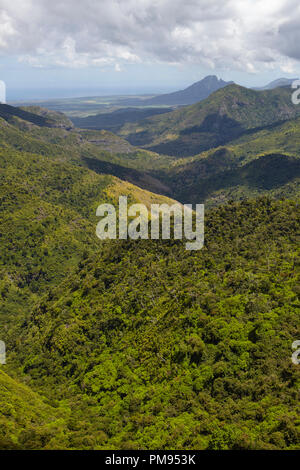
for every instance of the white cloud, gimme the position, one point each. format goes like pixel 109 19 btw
pixel 238 34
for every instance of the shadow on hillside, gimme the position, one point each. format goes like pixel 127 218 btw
pixel 216 130
pixel 266 173
pixel 138 178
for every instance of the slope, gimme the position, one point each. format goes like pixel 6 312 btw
pixel 26 421
pixel 61 141
pixel 267 161
pixel 47 217
pixel 225 115
pixel 47 228
pixel 114 120
pixel 154 347
pixel 212 177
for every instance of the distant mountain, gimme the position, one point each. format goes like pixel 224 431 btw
pixel 113 121
pixel 197 92
pixel 194 93
pixel 227 114
pixel 280 82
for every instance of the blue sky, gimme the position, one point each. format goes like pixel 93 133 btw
pixel 71 48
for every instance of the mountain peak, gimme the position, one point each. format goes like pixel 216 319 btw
pixel 211 78
pixel 211 83
pixel 198 91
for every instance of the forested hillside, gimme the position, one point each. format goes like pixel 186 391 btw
pixel 225 115
pixel 47 222
pixel 146 345
pixel 142 344
pixel 263 161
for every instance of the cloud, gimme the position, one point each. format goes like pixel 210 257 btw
pixel 118 68
pixel 244 35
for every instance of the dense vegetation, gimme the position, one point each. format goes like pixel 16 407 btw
pixel 56 137
pixel 144 345
pixel 226 115
pixel 47 222
pixel 245 167
pixel 267 161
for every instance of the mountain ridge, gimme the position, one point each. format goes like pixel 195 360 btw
pixel 198 91
pixel 279 82
pixel 223 116
pixel 210 177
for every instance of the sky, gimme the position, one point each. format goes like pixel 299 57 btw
pixel 66 48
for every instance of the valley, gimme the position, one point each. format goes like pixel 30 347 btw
pixel 123 344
